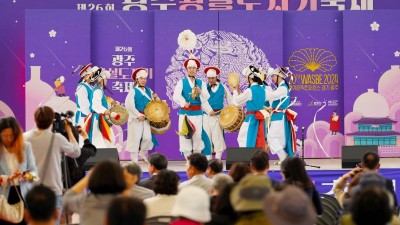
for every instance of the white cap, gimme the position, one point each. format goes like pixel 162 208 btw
pixel 211 73
pixel 192 203
pixel 251 71
pixel 142 74
pixel 191 63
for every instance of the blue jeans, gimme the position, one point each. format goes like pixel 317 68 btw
pixel 59 208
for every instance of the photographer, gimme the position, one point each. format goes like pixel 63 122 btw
pixel 76 166
pixel 47 148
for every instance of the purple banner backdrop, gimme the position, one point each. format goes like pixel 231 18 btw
pixel 231 48
pixel 12 17
pixel 313 50
pixel 371 84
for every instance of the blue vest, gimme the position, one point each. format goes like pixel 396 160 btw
pixel 141 100
pixel 187 94
pixel 258 98
pixel 216 99
pixel 89 92
pixel 283 106
pixel 103 99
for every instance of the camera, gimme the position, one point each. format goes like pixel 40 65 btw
pixel 58 123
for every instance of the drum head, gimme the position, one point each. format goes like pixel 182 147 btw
pixel 162 130
pixel 228 116
pixel 233 80
pixel 123 113
pixel 157 111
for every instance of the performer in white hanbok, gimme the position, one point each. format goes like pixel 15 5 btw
pixel 190 94
pixel 96 123
pixel 139 131
pixel 218 91
pixel 252 131
pixel 281 135
pixel 83 95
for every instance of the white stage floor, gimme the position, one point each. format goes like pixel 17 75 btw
pixel 325 164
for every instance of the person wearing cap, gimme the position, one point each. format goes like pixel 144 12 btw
pixel 291 206
pixel 139 131
pixel 281 138
pixel 218 91
pixel 252 131
pixel 190 94
pixel 247 199
pixel 99 132
pixel 192 207
pixel 83 95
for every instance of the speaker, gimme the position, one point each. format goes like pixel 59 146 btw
pixel 101 155
pixel 234 155
pixel 351 155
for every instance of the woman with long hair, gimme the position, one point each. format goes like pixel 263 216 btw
pixel 17 163
pixel 294 172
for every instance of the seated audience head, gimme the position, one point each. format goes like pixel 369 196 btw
pixel 133 174
pixel 192 203
pixel 44 117
pixel 248 195
pixel 371 205
pixel 41 206
pixel 239 170
pixel 289 207
pixel 11 137
pixel 370 161
pixel 126 211
pixel 259 162
pixel 223 204
pixel 107 177
pixel 157 162
pixel 197 165
pixel 368 179
pixel 219 181
pixel 294 172
pixel 166 182
pixel 215 166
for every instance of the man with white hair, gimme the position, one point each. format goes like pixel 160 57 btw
pixel 190 94
pixel 99 132
pixel 83 95
pixel 251 133
pixel 280 136
pixel 139 131
pixel 212 108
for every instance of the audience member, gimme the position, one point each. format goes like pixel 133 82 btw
pixel 259 165
pixel 291 206
pixel 239 170
pixel 166 188
pixel 133 173
pixel 247 198
pixel 105 182
pixel 371 162
pixel 192 206
pixel 196 173
pixel 16 161
pixel 219 181
pixel 222 212
pixel 339 188
pixel 371 205
pixel 126 211
pixel 47 148
pixel 215 166
pixel 41 206
pixel 157 162
pixel 294 173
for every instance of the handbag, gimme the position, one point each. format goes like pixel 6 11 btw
pixel 11 213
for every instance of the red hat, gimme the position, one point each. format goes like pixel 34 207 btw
pixel 212 71
pixel 191 60
pixel 139 73
pixel 85 69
